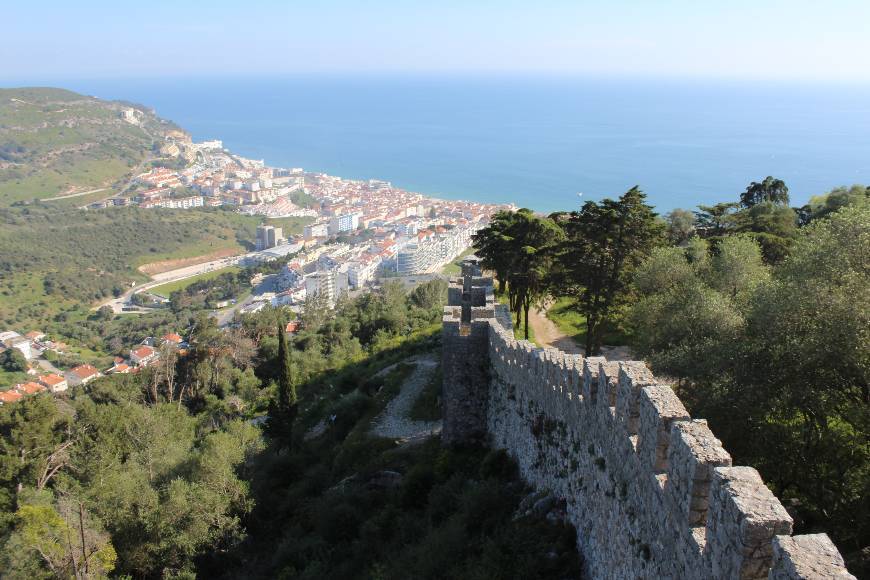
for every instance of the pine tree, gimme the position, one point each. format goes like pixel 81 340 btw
pixel 606 240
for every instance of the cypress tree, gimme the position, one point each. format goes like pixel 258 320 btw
pixel 285 408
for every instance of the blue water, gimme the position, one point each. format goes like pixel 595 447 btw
pixel 534 141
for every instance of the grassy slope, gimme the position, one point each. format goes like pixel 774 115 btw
pixel 302 199
pixel 452 515
pixel 85 256
pixel 54 141
pixel 453 269
pixel 58 261
pixel 290 225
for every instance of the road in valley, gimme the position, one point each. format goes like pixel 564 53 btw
pixel 226 316
pixel 123 301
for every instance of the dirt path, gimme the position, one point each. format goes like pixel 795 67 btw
pixel 548 334
pixel 393 422
pixel 79 194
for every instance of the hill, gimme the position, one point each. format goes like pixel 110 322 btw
pixel 55 142
pixel 55 260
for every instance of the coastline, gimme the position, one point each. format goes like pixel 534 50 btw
pixel 536 144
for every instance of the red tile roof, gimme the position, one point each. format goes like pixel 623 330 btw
pixel 10 396
pixel 143 351
pixel 30 388
pixel 85 371
pixel 51 380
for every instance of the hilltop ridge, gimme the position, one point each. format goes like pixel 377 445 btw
pixel 55 142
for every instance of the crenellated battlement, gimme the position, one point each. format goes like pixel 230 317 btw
pixel 650 490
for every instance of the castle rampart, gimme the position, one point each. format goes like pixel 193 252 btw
pixel 650 491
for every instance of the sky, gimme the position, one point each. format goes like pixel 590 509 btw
pixel 736 39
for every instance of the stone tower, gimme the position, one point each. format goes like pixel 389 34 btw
pixel 465 355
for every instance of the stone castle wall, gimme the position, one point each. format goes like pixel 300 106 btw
pixel 650 490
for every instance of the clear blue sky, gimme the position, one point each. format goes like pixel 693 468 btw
pixel 781 39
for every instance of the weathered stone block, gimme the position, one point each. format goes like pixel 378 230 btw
pixel 659 407
pixel 591 368
pixel 809 556
pixel 633 376
pixel 693 454
pixel 608 382
pixel 743 518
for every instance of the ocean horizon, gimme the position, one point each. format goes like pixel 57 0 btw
pixel 535 141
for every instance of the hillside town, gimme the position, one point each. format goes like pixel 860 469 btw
pixel 357 230
pixel 356 234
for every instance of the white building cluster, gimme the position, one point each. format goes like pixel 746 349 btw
pixel 429 251
pixel 386 230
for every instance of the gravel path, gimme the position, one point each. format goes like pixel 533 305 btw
pixel 393 422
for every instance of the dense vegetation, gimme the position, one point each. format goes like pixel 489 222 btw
pixel 52 141
pixel 56 261
pixel 162 474
pixel 206 293
pixel 776 357
pixel 759 311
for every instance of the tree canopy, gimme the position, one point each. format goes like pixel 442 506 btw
pixel 605 241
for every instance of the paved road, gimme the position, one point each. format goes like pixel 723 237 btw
pixel 48 367
pixel 118 304
pixel 225 317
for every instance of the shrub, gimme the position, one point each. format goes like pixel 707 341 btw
pixel 498 464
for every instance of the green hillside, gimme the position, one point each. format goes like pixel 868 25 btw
pixel 55 142
pixel 55 260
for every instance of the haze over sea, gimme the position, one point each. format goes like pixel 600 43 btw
pixel 535 141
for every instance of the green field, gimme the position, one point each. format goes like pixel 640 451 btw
pixel 61 262
pixel 165 290
pixel 203 247
pixel 453 269
pixel 290 225
pixel 82 200
pixel 303 199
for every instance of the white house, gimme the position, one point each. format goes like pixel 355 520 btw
pixel 142 355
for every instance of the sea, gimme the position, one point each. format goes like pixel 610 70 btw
pixel 544 142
